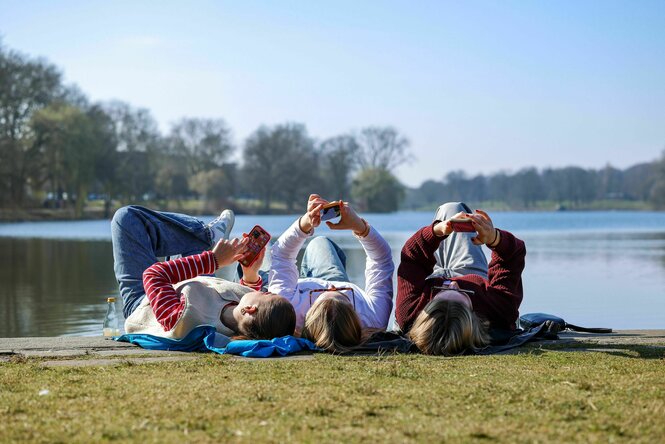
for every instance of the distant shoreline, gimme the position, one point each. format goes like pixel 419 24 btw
pixel 196 208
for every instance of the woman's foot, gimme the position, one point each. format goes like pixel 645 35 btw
pixel 220 228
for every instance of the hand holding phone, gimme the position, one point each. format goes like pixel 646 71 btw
pixel 257 239
pixel 462 225
pixel 331 210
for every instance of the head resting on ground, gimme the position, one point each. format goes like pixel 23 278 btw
pixel 332 323
pixel 448 327
pixel 262 315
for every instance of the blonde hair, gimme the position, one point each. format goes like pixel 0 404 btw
pixel 448 328
pixel 275 317
pixel 333 325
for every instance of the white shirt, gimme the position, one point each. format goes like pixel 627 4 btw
pixel 373 304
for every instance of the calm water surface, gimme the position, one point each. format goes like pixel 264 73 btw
pixel 598 269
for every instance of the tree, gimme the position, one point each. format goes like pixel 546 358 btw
pixel 280 163
pixel 205 144
pixel 382 148
pixel 657 195
pixel 215 186
pixel 527 187
pixel 339 162
pixel 26 85
pixel 138 150
pixel 171 178
pixel 377 190
pixel 75 143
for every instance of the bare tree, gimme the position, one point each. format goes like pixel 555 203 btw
pixel 205 143
pixel 26 85
pixel 382 148
pixel 280 163
pixel 339 162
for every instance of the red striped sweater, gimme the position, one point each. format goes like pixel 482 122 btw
pixel 159 278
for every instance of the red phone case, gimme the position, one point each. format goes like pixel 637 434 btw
pixel 462 225
pixel 258 239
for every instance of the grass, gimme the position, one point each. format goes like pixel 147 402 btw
pixel 535 396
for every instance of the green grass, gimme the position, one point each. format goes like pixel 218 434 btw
pixel 535 396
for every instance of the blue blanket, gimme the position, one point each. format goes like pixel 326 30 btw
pixel 205 338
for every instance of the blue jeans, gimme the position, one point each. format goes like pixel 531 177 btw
pixel 457 255
pixel 140 236
pixel 323 259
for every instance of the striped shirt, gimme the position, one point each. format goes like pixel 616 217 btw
pixel 159 278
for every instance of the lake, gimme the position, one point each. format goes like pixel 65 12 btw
pixel 597 269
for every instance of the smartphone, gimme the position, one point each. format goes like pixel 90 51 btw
pixel 462 225
pixel 258 239
pixel 330 211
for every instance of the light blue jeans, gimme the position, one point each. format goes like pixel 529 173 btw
pixel 457 255
pixel 140 236
pixel 323 259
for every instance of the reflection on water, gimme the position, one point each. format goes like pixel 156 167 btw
pixel 604 279
pixel 607 278
pixel 53 287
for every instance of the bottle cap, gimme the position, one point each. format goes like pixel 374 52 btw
pixel 110 300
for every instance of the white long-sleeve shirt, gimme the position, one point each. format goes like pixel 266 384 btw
pixel 373 304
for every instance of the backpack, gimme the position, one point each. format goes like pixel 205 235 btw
pixel 533 319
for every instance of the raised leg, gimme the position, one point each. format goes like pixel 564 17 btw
pixel 325 260
pixel 457 255
pixel 140 236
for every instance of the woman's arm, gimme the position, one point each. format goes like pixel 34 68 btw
pixel 417 263
pixel 283 278
pixel 379 269
pixel 159 278
pixel 504 277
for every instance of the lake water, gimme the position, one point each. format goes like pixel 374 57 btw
pixel 603 269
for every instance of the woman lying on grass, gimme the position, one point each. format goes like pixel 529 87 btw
pixel 447 303
pixel 332 312
pixel 169 299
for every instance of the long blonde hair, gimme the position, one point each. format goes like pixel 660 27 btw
pixel 448 328
pixel 333 325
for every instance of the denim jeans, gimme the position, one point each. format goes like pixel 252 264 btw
pixel 457 255
pixel 323 259
pixel 140 236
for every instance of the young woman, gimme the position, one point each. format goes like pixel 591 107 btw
pixel 332 312
pixel 169 299
pixel 447 303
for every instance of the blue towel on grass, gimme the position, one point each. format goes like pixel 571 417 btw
pixel 205 338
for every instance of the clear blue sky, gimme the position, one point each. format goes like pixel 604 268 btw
pixel 480 86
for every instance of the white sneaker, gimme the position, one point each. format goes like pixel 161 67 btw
pixel 220 228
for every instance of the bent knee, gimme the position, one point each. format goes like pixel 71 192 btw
pixel 124 215
pixel 320 240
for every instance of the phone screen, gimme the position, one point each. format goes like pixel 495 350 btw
pixel 330 212
pixel 258 239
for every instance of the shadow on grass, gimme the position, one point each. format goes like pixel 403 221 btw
pixel 635 351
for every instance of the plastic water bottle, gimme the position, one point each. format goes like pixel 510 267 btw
pixel 111 320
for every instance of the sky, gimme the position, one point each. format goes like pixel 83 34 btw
pixel 480 86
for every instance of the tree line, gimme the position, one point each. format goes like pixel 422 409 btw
pixel 569 187
pixel 59 149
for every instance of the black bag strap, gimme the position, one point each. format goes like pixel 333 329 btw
pixel 587 329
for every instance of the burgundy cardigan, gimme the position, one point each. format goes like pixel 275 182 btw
pixel 495 299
